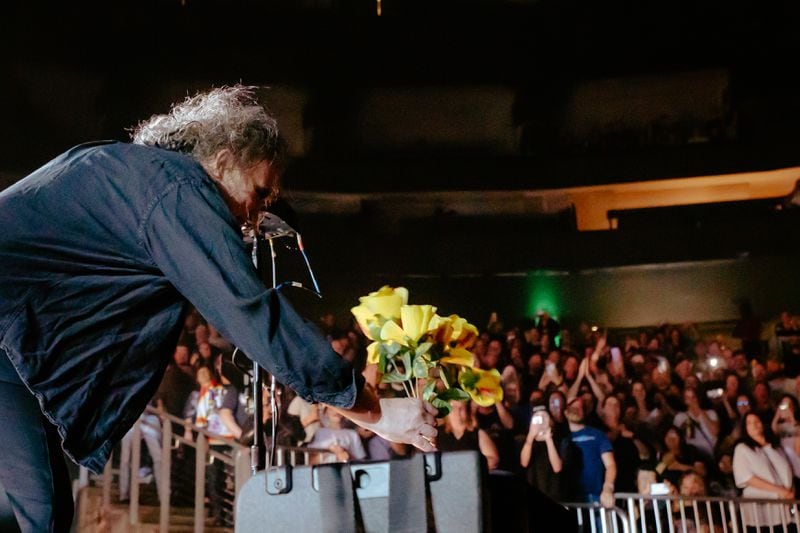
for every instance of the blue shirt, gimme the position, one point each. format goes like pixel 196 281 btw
pixel 591 444
pixel 100 249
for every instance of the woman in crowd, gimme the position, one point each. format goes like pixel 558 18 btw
pixel 542 454
pixel 626 451
pixel 678 457
pixel 785 427
pixel 700 425
pixel 206 405
pixel 761 469
pixel 461 432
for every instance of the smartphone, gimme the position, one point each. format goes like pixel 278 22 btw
pixel 537 420
pixel 659 488
pixel 713 394
pixel 616 355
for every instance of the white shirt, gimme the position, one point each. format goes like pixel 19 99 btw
pixel 346 438
pixel 770 465
pixel 300 408
pixel 703 439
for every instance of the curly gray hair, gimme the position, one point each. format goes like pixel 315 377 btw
pixel 204 124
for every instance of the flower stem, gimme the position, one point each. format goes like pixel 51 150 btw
pixel 407 388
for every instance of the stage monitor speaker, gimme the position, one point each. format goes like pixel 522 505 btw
pixel 432 492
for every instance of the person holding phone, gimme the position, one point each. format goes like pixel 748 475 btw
pixel 546 444
pixel 787 429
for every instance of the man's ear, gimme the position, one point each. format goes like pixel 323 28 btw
pixel 220 161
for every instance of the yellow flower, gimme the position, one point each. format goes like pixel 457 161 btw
pixel 459 356
pixel 483 386
pixel 464 333
pixel 416 319
pixel 385 302
pixel 453 329
pixel 392 332
pixel 372 353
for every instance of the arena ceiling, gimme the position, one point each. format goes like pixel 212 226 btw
pixel 474 103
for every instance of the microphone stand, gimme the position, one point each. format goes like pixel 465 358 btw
pixel 268 228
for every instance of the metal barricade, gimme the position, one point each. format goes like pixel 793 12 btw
pixel 235 457
pixel 684 514
pixel 594 518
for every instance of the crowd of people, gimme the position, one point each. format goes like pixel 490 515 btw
pixel 586 414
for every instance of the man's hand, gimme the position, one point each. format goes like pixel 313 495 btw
pixel 406 420
pixel 607 498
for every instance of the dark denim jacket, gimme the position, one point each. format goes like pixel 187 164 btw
pixel 99 251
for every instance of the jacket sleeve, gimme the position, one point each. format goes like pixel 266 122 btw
pixel 192 239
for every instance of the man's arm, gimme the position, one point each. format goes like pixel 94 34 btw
pixel 607 496
pixel 406 420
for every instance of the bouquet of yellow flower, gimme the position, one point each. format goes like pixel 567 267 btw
pixel 427 353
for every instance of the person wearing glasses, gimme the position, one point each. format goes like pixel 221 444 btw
pixel 103 248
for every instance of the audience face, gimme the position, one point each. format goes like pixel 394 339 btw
pixel 691 382
pixel 191 321
pixel 204 349
pixel 660 378
pixel 758 372
pixel 556 406
pixel 535 363
pixel 536 397
pixel 492 356
pixel 511 392
pixel 458 417
pixel 713 349
pixel 691 400
pixel 692 485
pixel 334 418
pixel 672 441
pixel 575 411
pixel 181 355
pixel 684 369
pixel 203 376
pixel 638 391
pixel 516 358
pixel 201 334
pixel 731 386
pixel 725 464
pixel 545 342
pixel 761 396
pixel 700 350
pixel 571 368
pixel 754 427
pixel 739 364
pixel 743 405
pixel 611 409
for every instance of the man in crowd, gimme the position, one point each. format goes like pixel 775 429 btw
pixel 593 458
pixel 102 248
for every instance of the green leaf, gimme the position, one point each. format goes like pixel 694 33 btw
pixel 453 394
pixel 381 361
pixel 420 367
pixel 374 330
pixel 429 390
pixel 468 379
pixel 443 407
pixel 393 377
pixel 407 364
pixel 443 377
pixel 393 348
pixel 423 348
